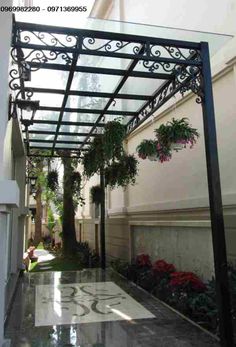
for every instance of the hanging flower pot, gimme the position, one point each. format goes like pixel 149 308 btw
pixel 147 149
pixel 176 134
pixel 96 194
pixel 52 180
pixel 177 146
pixel 153 157
pixel 121 173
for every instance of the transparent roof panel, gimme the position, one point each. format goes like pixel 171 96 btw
pixel 103 62
pixel 80 117
pixel 41 137
pixel 94 82
pixel 74 129
pixel 40 144
pixel 43 127
pixel 216 41
pixel 86 102
pixel 54 100
pixel 46 115
pixel 135 85
pixel 48 79
pixel 70 138
pixel 126 105
pixel 63 145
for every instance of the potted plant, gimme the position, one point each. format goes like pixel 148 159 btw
pixel 52 180
pixel 154 151
pixel 114 134
pixel 122 172
pixel 147 148
pixel 176 134
pixel 96 194
pixel 93 158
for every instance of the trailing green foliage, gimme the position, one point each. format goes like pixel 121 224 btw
pixel 113 138
pixel 147 148
pixel 122 172
pixel 51 220
pixel 170 136
pixel 94 157
pixel 96 194
pixel 107 152
pixel 177 130
pixel 52 180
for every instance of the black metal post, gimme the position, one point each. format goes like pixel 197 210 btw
pixel 216 209
pixel 102 221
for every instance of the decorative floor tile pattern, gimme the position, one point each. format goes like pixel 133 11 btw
pixel 85 303
pixel 166 329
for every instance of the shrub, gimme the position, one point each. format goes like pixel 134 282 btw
pixel 143 260
pixel 162 268
pixel 186 281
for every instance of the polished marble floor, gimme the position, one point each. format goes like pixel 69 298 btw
pixel 91 308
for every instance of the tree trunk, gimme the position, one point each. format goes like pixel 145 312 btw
pixel 68 223
pixel 38 217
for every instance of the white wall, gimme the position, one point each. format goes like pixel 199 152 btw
pixel 5 37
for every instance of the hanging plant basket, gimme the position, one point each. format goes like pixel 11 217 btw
pixel 96 194
pixel 93 158
pixel 121 173
pixel 176 134
pixel 52 180
pixel 176 146
pixel 113 137
pixel 147 149
pixel 153 157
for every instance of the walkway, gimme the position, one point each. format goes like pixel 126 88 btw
pixel 91 308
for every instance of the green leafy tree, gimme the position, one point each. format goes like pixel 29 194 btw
pixel 67 202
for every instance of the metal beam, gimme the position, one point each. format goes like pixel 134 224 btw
pixel 88 93
pixel 53 122
pixel 85 110
pixel 216 208
pixel 65 98
pixel 156 105
pixel 58 141
pixel 106 35
pixel 103 71
pixel 102 221
pixel 51 156
pixel 44 132
pixel 58 148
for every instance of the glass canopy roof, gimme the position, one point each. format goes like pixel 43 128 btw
pixel 84 77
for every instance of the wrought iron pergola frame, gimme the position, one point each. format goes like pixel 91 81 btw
pixel 183 66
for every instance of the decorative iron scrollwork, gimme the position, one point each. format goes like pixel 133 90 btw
pixel 92 44
pixel 47 39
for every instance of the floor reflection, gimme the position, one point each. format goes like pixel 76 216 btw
pixel 117 302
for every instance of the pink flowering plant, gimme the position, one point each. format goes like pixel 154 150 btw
pixel 153 149
pixel 161 268
pixel 143 260
pixel 147 148
pixel 177 131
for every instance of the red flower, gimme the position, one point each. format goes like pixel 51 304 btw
pixel 162 267
pixel 143 260
pixel 186 280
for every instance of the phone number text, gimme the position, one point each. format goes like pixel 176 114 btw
pixel 46 9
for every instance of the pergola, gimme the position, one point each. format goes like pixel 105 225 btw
pixel 75 80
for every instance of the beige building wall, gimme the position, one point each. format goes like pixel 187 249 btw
pixel 12 182
pixel 166 214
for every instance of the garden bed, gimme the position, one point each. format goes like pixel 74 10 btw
pixel 183 291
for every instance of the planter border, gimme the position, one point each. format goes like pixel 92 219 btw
pixel 168 306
